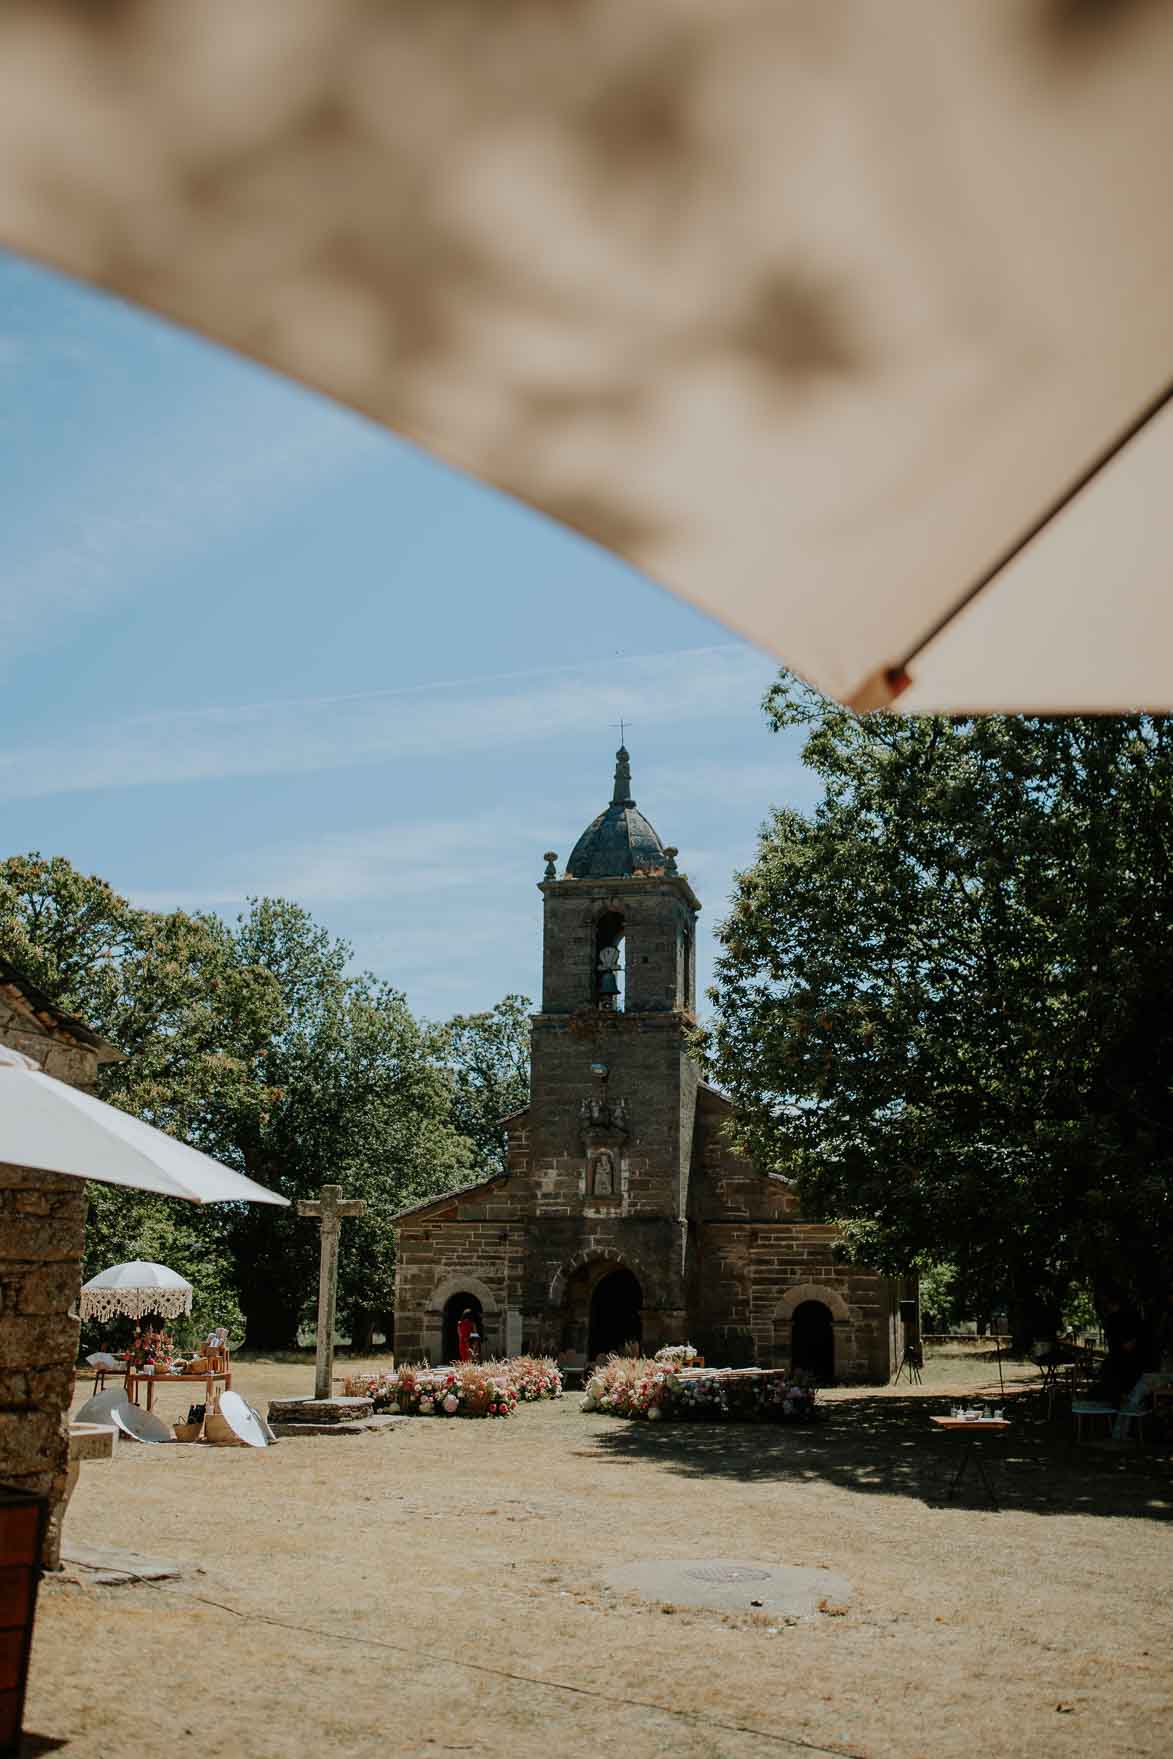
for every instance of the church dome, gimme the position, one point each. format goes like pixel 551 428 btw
pixel 620 842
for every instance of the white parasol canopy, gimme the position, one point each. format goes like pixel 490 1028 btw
pixel 135 1289
pixel 810 312
pixel 45 1123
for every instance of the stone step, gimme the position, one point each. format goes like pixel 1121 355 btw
pixel 340 1409
pixel 355 1426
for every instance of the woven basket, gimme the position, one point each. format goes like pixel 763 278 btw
pixel 186 1431
pixel 217 1430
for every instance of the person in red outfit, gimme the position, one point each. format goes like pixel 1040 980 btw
pixel 468 1339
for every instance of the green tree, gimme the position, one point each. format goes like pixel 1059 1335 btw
pixel 359 1098
pixel 942 997
pixel 487 1055
pixel 252 1043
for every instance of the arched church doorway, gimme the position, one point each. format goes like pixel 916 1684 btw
pixel 454 1308
pixel 812 1341
pixel 615 1313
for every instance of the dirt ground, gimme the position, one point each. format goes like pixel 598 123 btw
pixel 439 1589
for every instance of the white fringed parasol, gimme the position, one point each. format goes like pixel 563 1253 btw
pixel 135 1289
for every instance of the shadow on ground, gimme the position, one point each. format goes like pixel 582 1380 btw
pixel 886 1446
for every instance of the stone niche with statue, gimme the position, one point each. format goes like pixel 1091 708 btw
pixel 605 1129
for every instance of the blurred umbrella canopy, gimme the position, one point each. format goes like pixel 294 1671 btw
pixel 812 313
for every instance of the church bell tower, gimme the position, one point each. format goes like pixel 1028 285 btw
pixel 620 925
pixel 614 1087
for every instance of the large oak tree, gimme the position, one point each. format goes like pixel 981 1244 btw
pixel 943 999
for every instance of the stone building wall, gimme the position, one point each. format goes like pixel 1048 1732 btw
pixel 649 1075
pixel 519 1268
pixel 531 1246
pixel 474 1246
pixel 757 1260
pixel 42 1236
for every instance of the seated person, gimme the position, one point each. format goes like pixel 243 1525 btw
pixel 1129 1348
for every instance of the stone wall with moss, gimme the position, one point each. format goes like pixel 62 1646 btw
pixel 42 1234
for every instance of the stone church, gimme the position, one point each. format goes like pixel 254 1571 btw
pixel 626 1212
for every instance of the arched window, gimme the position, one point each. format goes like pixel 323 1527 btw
pixel 684 969
pixel 608 963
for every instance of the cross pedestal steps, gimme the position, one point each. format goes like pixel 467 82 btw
pixel 328 1413
pixel 333 1416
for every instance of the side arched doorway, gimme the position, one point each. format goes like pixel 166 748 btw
pixel 454 1307
pixel 615 1316
pixel 812 1341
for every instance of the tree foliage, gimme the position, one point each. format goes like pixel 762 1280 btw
pixel 251 1042
pixel 942 1001
pixel 488 1057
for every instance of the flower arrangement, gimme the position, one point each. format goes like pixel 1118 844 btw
pixel 150 1349
pixel 627 1386
pixel 532 1377
pixel 462 1389
pixel 657 1390
pixel 683 1355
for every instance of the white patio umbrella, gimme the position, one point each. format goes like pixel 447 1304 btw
pixel 45 1123
pixel 134 1289
pixel 811 312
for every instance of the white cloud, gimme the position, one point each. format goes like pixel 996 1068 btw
pixel 127 517
pixel 448 719
pixel 387 864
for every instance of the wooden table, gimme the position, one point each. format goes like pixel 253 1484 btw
pixel 151 1381
pixel 972 1427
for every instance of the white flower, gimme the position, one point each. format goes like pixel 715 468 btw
pixel 452 1404
pixel 654 1413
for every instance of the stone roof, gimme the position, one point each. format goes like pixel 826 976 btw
pixel 620 842
pixel 443 1197
pixel 33 1001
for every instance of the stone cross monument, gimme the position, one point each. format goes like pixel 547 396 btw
pixel 330 1209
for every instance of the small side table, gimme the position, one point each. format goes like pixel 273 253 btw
pixel 973 1427
pixel 207 1381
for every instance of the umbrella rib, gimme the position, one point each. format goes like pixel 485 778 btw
pixel 897 675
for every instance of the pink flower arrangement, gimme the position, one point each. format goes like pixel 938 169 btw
pixel 658 1390
pixel 466 1389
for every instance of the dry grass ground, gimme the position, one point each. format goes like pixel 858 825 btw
pixel 439 1590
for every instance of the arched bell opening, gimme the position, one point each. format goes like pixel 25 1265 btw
pixel 616 1320
pixel 686 969
pixel 812 1341
pixel 608 961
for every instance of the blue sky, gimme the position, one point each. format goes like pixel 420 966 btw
pixel 251 644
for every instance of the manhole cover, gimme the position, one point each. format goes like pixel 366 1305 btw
pixel 732 1584
pixel 728 1573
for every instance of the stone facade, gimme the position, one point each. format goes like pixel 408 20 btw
pixel 42 1231
pixel 626 1211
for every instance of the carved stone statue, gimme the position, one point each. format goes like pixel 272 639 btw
pixel 603 1174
